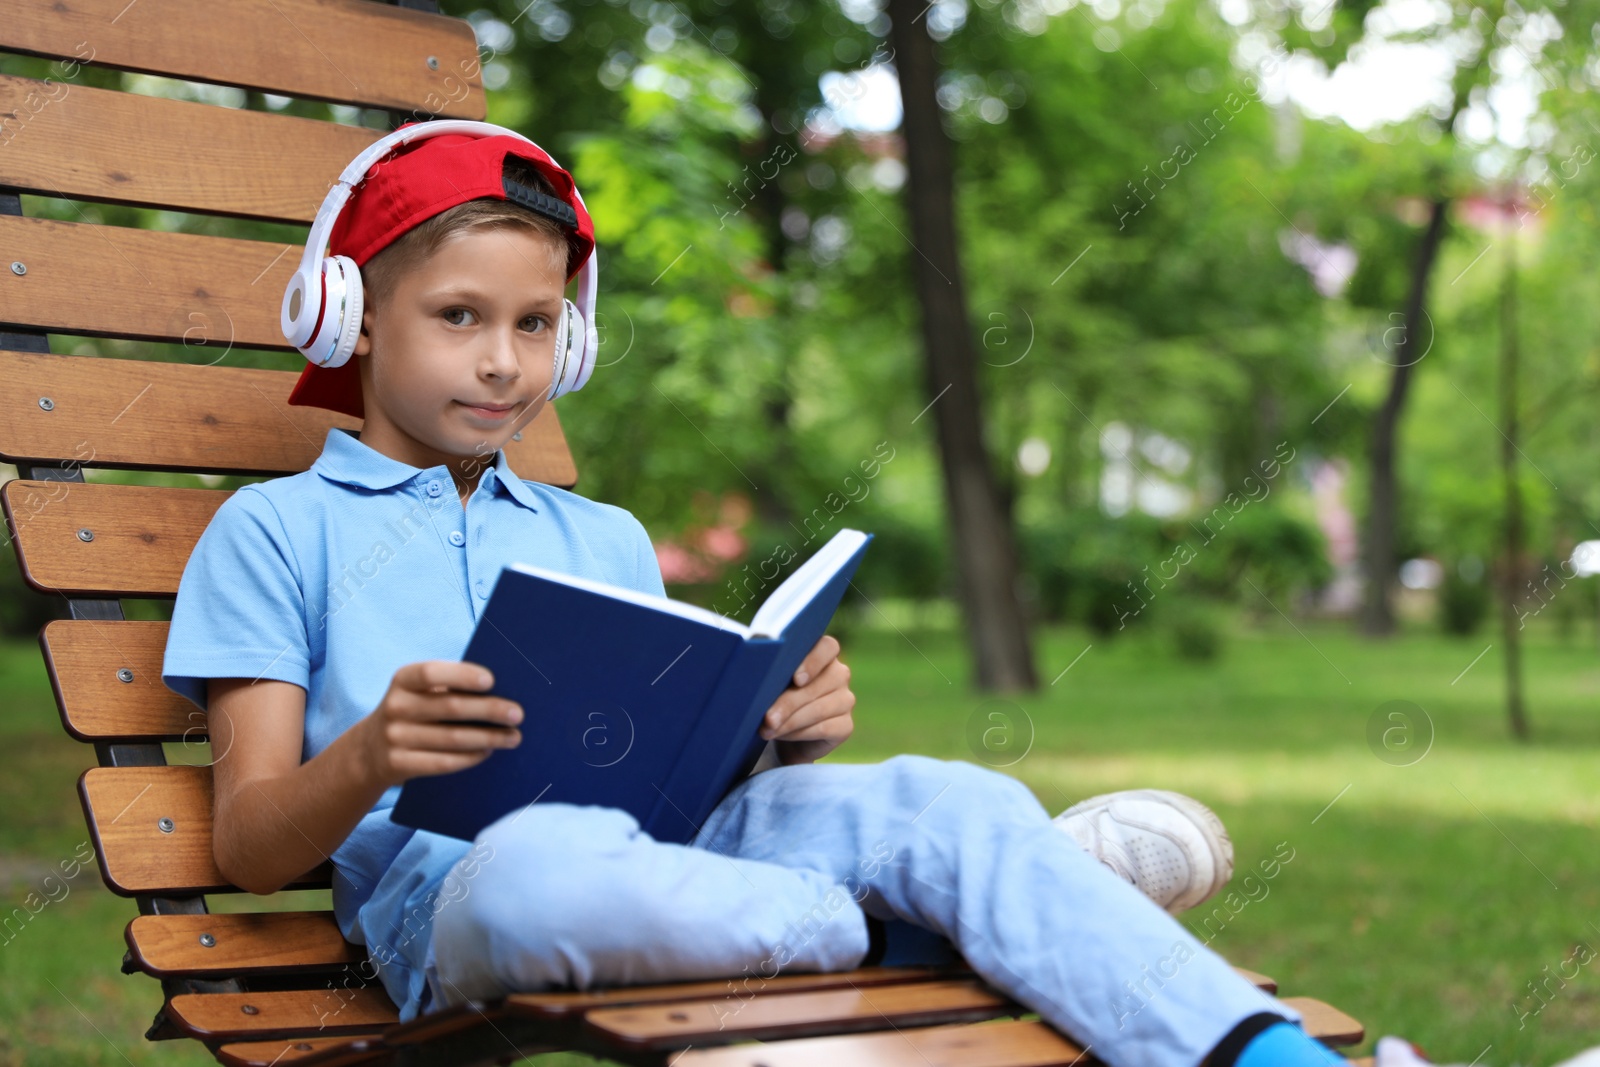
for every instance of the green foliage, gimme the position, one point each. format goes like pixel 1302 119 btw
pixel 1194 625
pixel 1113 574
pixel 1464 599
pixel 1274 549
pixel 907 560
pixel 1084 566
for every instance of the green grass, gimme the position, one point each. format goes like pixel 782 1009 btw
pixel 1421 898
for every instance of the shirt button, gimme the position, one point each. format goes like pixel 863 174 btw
pixel 456 538
pixel 434 488
pixel 483 594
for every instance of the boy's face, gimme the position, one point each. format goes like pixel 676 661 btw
pixel 461 355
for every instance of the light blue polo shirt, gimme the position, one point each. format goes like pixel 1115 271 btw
pixel 335 578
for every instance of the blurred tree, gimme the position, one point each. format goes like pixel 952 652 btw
pixel 1511 628
pixel 1462 37
pixel 986 558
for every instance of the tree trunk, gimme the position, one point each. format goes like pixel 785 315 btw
pixel 985 552
pixel 1511 625
pixel 1377 616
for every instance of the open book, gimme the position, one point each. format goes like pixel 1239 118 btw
pixel 629 700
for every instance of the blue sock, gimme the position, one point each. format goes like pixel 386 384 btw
pixel 1284 1044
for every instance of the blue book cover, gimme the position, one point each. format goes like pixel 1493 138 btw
pixel 629 700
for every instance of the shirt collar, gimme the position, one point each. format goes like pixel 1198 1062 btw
pixel 345 459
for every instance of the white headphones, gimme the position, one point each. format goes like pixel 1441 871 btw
pixel 334 284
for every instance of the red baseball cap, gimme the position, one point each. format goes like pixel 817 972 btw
pixel 408 186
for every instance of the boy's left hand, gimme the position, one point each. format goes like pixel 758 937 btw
pixel 812 717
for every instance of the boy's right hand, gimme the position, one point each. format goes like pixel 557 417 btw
pixel 422 726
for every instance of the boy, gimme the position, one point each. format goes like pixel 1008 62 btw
pixel 319 615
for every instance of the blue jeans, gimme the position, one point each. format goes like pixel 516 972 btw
pixel 781 875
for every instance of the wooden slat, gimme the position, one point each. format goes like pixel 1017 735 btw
pixel 1002 1043
pixel 124 806
pixel 564 1004
pixel 1327 1023
pixel 84 656
pixel 556 1010
pixel 777 1015
pixel 309 1051
pixel 96 144
pixel 211 294
pixel 176 416
pixel 1260 981
pixel 284 942
pixel 349 51
pixel 289 1013
pixel 154 415
pixel 142 535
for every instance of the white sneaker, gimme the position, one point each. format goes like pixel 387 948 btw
pixel 1172 848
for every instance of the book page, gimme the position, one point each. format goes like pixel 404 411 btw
pixel 801 587
pixel 633 596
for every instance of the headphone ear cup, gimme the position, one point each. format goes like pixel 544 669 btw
pixel 348 322
pixel 301 302
pixel 332 342
pixel 588 351
pixel 570 334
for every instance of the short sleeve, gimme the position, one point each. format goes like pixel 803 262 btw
pixel 240 609
pixel 647 578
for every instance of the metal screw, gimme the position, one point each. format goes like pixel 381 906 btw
pixel 86 535
pixel 302 1046
pixel 208 941
pixel 46 403
pixel 433 64
pixel 124 675
pixel 678 1016
pixel 249 1009
pixel 166 824
pixel 19 268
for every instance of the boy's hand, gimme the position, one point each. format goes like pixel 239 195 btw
pixel 431 721
pixel 812 717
